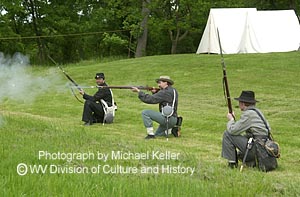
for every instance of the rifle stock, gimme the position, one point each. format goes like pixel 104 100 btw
pixel 225 81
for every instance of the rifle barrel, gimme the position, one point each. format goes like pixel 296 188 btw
pixel 68 76
pixel 225 82
pixel 129 87
pixel 116 87
pixel 112 87
pixel 122 87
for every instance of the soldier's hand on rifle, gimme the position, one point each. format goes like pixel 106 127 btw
pixel 135 89
pixel 154 90
pixel 81 91
pixel 230 116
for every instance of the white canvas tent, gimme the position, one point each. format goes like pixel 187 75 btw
pixel 246 30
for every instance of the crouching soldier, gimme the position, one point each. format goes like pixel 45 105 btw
pixel 250 125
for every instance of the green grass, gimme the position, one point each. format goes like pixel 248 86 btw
pixel 52 122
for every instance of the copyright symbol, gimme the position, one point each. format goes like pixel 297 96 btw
pixel 22 169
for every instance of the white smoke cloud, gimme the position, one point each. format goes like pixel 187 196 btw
pixel 17 81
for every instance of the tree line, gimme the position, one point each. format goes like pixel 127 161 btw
pixel 74 30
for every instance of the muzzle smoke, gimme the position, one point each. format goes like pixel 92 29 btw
pixel 17 81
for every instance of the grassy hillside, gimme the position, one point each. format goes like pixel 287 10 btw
pixel 50 122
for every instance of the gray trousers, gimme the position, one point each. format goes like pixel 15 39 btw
pixel 231 143
pixel 149 116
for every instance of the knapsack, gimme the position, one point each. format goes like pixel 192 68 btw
pixel 109 111
pixel 266 161
pixel 267 150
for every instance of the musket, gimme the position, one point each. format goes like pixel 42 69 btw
pixel 225 82
pixel 130 87
pixel 123 87
pixel 68 77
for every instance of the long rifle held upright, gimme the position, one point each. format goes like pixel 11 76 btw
pixel 225 82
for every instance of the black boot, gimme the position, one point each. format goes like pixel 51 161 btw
pixel 87 123
pixel 148 137
pixel 232 165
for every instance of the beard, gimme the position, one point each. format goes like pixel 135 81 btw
pixel 99 83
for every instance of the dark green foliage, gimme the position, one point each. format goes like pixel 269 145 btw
pixel 71 31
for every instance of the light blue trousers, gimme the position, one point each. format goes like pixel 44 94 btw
pixel 149 116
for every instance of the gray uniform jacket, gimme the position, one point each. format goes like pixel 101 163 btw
pixel 250 122
pixel 163 97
